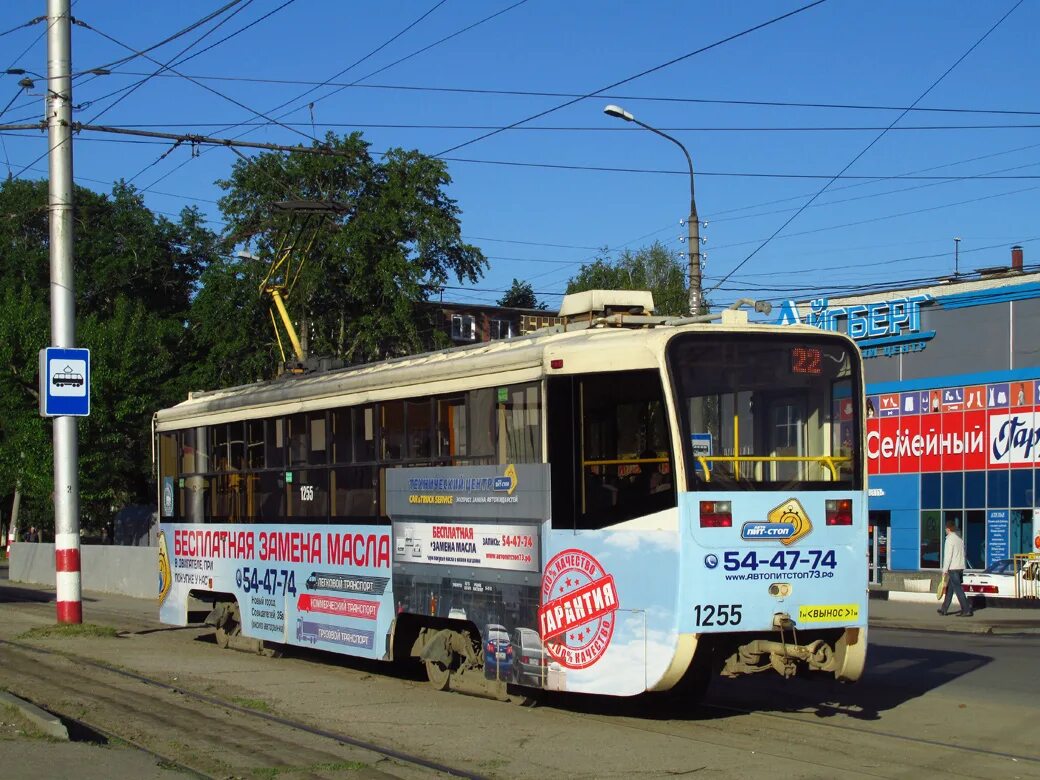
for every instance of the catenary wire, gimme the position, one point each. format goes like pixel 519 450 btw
pixel 869 146
pixel 130 89
pixel 646 72
pixel 608 96
pixel 380 70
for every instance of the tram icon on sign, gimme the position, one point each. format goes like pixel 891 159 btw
pixel 67 378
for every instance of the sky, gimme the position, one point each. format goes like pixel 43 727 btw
pixel 556 191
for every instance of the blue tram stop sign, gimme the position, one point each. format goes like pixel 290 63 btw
pixel 64 382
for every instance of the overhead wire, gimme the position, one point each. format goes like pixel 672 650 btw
pixel 203 86
pixel 646 72
pixel 608 96
pixel 177 60
pixel 869 146
pixel 183 31
pixel 382 69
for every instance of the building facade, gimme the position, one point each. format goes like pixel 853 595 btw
pixel 953 428
pixel 472 323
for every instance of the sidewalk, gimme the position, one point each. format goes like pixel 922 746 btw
pixel 921 615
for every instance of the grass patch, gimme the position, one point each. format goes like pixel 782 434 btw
pixel 253 704
pixel 13 725
pixel 70 630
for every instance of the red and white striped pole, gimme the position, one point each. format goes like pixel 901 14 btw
pixel 63 303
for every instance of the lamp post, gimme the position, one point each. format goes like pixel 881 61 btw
pixel 693 223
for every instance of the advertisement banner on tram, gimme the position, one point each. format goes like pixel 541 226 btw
pixel 800 554
pixel 306 585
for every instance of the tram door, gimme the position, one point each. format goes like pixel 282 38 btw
pixel 878 544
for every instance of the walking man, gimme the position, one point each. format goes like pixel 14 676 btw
pixel 953 569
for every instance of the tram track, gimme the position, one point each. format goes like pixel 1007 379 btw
pixel 922 741
pixel 784 744
pixel 211 731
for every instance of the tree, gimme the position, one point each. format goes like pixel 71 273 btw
pixel 520 296
pixel 135 274
pixel 359 296
pixel 654 268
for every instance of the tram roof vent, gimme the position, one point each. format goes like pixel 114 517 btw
pixel 606 302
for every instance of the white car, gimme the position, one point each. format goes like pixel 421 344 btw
pixel 999 580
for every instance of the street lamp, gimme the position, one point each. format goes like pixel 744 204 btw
pixel 693 223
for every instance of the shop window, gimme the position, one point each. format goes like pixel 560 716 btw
pixel 931 491
pixel 931 540
pixel 975 489
pixel 953 489
pixel 975 539
pixel 997 490
pixel 1021 531
pixel 1022 487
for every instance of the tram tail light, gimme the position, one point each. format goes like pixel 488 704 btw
pixel 716 514
pixel 839 511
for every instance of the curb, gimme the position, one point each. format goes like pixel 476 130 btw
pixel 47 723
pixel 1002 603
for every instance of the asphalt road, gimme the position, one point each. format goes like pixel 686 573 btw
pixel 931 704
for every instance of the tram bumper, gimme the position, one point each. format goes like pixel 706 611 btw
pixel 842 654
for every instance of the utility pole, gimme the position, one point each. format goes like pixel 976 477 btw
pixel 957 256
pixel 63 304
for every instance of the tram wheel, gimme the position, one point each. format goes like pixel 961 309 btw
pixel 439 675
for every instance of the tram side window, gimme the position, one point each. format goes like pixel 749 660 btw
pixel 255 444
pixel 354 494
pixel 364 419
pixel 483 424
pixel 274 442
pixel 616 462
pixel 392 435
pixel 451 427
pixel 419 422
pixel 308 496
pixel 168 456
pixel 340 434
pixel 307 439
pixel 522 424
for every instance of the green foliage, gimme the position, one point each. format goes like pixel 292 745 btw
pixel 134 274
pixel 655 268
pixel 369 269
pixel 520 296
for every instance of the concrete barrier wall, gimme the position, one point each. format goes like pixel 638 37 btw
pixel 131 571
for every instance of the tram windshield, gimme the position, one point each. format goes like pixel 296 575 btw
pixel 767 413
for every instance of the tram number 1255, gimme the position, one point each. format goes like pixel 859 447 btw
pixel 717 614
